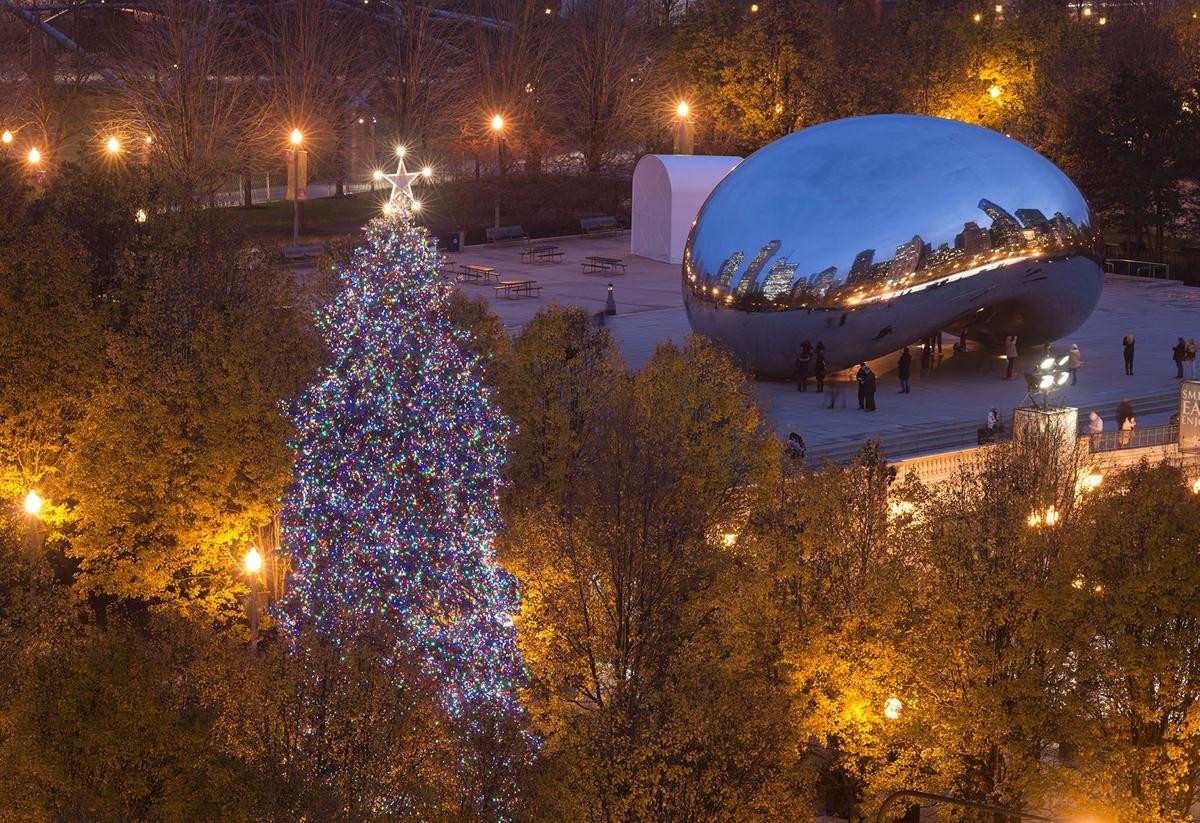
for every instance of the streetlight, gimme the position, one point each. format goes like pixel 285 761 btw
pixel 297 138
pixel 977 17
pixel 892 708
pixel 113 145
pixel 7 137
pixel 683 130
pixel 994 91
pixel 498 128
pixel 35 157
pixel 253 564
pixel 427 172
pixel 141 216
pixel 33 503
pixel 376 176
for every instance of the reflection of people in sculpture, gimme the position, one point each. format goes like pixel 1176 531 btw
pixel 1127 343
pixel 819 367
pixel 1010 351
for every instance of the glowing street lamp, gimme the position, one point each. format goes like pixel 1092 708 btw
pixel 33 503
pixel 427 172
pixel 7 137
pixel 497 129
pixel 35 157
pixel 683 129
pixel 400 150
pixel 297 138
pixel 892 708
pixel 977 17
pixel 253 565
pixel 141 216
pixel 994 91
pixel 253 561
pixel 113 145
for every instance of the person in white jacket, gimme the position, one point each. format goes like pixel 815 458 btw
pixel 1074 361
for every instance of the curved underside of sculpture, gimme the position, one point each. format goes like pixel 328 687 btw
pixel 974 231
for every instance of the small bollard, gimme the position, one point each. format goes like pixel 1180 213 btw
pixel 610 305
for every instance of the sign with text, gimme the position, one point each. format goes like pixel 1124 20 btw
pixel 1189 415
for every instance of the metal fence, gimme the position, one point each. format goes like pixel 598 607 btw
pixel 1137 268
pixel 1139 437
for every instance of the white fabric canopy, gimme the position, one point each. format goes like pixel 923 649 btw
pixel 668 190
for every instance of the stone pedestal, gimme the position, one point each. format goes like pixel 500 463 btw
pixel 1053 428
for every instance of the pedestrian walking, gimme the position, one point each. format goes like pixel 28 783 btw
pixel 1190 358
pixel 904 369
pixel 860 377
pixel 1010 351
pixel 1178 353
pixel 802 363
pixel 1074 361
pixel 869 388
pixel 938 339
pixel 1127 344
pixel 1124 411
pixel 819 367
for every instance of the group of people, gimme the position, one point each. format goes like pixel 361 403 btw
pixel 1183 353
pixel 1124 419
pixel 811 360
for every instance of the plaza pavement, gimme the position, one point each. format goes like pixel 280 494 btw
pixel 948 402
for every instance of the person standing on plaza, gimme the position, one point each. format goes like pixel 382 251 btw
pixel 1074 361
pixel 1095 427
pixel 869 388
pixel 819 367
pixel 1127 430
pixel 860 377
pixel 1190 357
pixel 904 369
pixel 802 362
pixel 1124 411
pixel 1178 353
pixel 1010 351
pixel 1127 343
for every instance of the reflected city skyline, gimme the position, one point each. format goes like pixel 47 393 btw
pixel 769 283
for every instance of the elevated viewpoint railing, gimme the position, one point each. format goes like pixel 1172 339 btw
pixel 1137 268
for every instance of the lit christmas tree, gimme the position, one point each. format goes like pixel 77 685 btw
pixel 393 510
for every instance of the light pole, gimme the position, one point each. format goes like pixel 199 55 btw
pixel 498 127
pixel 297 138
pixel 253 564
pixel 683 131
pixel 33 507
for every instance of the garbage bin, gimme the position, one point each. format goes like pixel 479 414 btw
pixel 452 241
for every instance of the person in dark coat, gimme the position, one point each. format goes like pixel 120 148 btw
pixel 1124 412
pixel 869 388
pixel 802 362
pixel 1179 354
pixel 819 367
pixel 904 369
pixel 1127 344
pixel 860 377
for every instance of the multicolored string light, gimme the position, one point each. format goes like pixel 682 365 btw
pixel 395 501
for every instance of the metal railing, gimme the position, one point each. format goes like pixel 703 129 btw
pixel 1137 268
pixel 1135 439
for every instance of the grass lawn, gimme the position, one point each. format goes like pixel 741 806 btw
pixel 323 218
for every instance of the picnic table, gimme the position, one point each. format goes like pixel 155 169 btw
pixel 518 288
pixel 541 254
pixel 478 273
pixel 594 265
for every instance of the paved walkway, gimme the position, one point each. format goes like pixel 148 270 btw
pixel 948 402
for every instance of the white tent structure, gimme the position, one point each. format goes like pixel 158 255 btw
pixel 668 190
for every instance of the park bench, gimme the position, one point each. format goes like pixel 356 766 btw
pixel 518 288
pixel 506 234
pixel 478 273
pixel 541 254
pixel 298 254
pixel 600 265
pixel 599 226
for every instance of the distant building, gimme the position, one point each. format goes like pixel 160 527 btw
pixel 823 280
pixel 729 269
pixel 750 279
pixel 908 258
pixel 1032 218
pixel 861 266
pixel 779 279
pixel 973 240
pixel 1005 227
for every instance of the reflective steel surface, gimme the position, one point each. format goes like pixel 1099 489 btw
pixel 870 233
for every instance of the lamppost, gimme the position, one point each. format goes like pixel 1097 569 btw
pixel 113 145
pixel 253 565
pixel 33 507
pixel 683 130
pixel 498 128
pixel 297 138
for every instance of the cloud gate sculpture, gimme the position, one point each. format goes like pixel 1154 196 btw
pixel 870 233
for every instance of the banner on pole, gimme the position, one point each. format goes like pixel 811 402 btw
pixel 297 168
pixel 1189 415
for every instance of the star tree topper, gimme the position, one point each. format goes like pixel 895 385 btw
pixel 402 194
